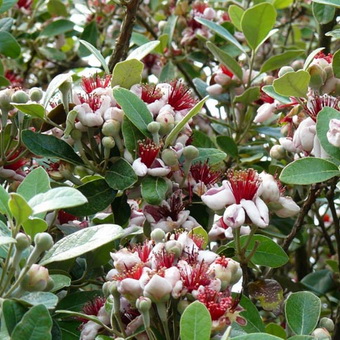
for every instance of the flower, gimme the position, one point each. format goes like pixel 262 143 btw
pixel 333 134
pixel 316 103
pixel 158 289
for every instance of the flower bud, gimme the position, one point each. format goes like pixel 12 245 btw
pixel 5 99
pixel 158 289
pixel 174 247
pixel 154 127
pixel 297 64
pixel 37 279
pixel 169 157
pixel 277 152
pixel 76 134
pixel 158 235
pixel 182 305
pixel 284 70
pixel 143 304
pixel 49 285
pixel 23 241
pixel 268 80
pixel 166 120
pixel 43 241
pixel 108 142
pixel 321 334
pixel 111 128
pixel 327 323
pixel 35 94
pixel 20 96
pixel 215 90
pixel 190 152
pixel 66 86
pixel 317 76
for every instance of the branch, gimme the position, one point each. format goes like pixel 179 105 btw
pixel 123 41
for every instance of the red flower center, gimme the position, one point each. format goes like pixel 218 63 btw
pixel 180 97
pixel 150 94
pixel 317 103
pixel 91 83
pixel 134 273
pixel 148 151
pixel 201 172
pixel 93 101
pixel 196 277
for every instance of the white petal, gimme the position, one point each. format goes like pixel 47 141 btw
pixel 139 167
pixel 253 213
pixel 234 216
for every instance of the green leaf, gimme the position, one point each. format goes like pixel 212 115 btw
pixel 90 34
pixel 201 140
pixel 33 226
pixel 309 170
pixel 54 86
pixel 320 281
pixel 251 314
pixel 7 240
pixel 142 51
pixel 131 135
pixel 97 54
pixel 9 47
pixel 6 24
pixel 228 145
pixel 195 322
pixel 56 7
pixel 6 5
pixel 4 198
pixel 235 13
pixel 13 313
pixel 302 310
pixel 280 60
pixel 121 175
pixel 36 324
pixel 323 13
pixel 60 281
pixel 269 89
pixel 268 253
pixel 311 56
pixel 168 72
pixel 280 4
pixel 154 189
pixel 76 301
pixel 47 299
pixel 36 182
pixel 127 73
pixel 248 96
pixel 4 82
pixel 322 127
pixel 257 336
pixel 52 53
pixel 329 2
pixel 254 33
pixel 226 59
pixel 200 232
pixel 99 196
pixel 56 198
pixel 31 109
pixel 274 329
pixel 50 146
pixel 221 31
pixel 301 337
pixel 180 125
pixel 81 242
pixel 19 208
pixel 292 84
pixel 334 33
pixel 57 27
pixel 135 109
pixel 336 64
pixel 214 156
pixel 169 28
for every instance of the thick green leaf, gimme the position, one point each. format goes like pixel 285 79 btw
pixel 47 299
pixel 56 8
pixel 235 13
pixel 268 253
pixel 76 301
pixel 320 281
pixel 323 13
pixel 180 125
pixel 302 310
pixel 293 84
pixel 50 146
pixel 257 336
pixel 32 109
pixel 19 208
pixel 265 14
pixel 201 140
pixel 6 24
pixel 169 28
pixel 34 225
pixel 60 281
pixel 329 2
pixel 221 31
pixel 6 5
pixel 280 60
pixel 127 73
pixel 36 182
pixel 154 189
pixel 56 198
pixel 97 54
pixel 275 329
pixel 334 33
pixel 226 59
pixel 309 170
pixel 280 4
pixel 228 145
pixel 36 324
pixel 90 34
pixel 214 156
pixel 195 322
pixel 13 313
pixel 81 242
pixel 121 175
pixel 269 89
pixel 336 64
pixel 168 72
pixel 322 127
pixel 99 196
pixel 52 53
pixel 57 27
pixel 248 96
pixel 131 135
pixel 251 314
pixel 54 85
pixel 142 51
pixel 301 337
pixel 9 47
pixel 135 109
pixel 4 82
pixel 4 198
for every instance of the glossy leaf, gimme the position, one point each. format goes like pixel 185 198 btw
pixel 57 27
pixel 6 5
pixel 127 73
pixel 329 2
pixel 60 281
pixel 89 34
pixel 13 312
pixel 29 328
pixel 269 89
pixel 121 175
pixel 201 140
pixel 263 13
pixel 34 225
pixel 323 13
pixel 319 282
pixel 248 96
pixel 81 242
pixel 36 182
pixel 140 52
pixel 277 61
pixel 50 146
pixel 32 109
pixel 280 4
pixel 336 64
pixel 19 208
pixel 7 240
pixel 309 170
pixel 97 54
pixel 56 198
pixel 195 322
pixel 251 314
pixel 154 189
pixel 302 310
pixel 131 135
pixel 235 13
pixel 169 28
pixel 292 84
pixel 275 329
pixel 214 156
pixel 135 109
pixel 228 145
pixel 9 47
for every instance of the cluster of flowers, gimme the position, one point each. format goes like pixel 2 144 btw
pixel 170 269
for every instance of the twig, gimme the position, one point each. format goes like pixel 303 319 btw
pixel 123 41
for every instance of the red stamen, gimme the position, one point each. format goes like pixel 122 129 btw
pixel 93 101
pixel 180 97
pixel 197 277
pixel 134 273
pixel 318 103
pixel 148 151
pixel 92 308
pixel 201 172
pixel 226 71
pixel 150 93
pixel 91 83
